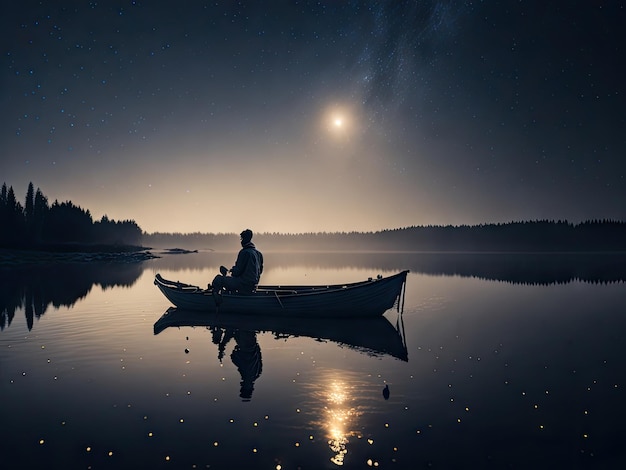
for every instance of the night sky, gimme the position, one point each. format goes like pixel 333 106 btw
pixel 288 116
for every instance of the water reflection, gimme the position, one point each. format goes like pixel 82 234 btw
pixel 339 405
pixel 338 420
pixel 36 288
pixel 246 356
pixel 516 268
pixel 370 336
pixel 501 376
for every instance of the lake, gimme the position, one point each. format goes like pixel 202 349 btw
pixel 495 361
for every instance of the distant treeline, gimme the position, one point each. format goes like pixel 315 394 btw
pixel 531 236
pixel 36 224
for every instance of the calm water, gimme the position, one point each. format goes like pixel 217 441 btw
pixel 513 362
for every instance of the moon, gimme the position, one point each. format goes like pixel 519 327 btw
pixel 339 122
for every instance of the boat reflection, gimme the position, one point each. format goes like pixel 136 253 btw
pixel 371 336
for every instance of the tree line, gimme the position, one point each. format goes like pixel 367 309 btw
pixel 38 224
pixel 527 236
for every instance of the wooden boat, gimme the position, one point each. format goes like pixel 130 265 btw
pixel 369 298
pixel 372 336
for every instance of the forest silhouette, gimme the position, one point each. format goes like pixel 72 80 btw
pixel 530 236
pixel 38 225
pixel 63 226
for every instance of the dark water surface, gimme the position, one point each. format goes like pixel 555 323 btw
pixel 511 361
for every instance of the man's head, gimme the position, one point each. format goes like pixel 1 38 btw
pixel 246 236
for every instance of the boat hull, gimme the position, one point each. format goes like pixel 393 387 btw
pixel 369 298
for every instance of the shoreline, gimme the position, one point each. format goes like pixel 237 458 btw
pixel 75 254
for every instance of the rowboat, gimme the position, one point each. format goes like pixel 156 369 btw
pixel 369 298
pixel 375 337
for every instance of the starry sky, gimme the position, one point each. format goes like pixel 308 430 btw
pixel 308 116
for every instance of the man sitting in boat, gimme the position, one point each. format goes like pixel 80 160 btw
pixel 246 272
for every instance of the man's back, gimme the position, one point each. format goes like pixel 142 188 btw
pixel 249 265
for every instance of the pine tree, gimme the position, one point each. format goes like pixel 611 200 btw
pixel 29 211
pixel 40 213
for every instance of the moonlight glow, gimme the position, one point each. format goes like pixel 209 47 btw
pixel 340 120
